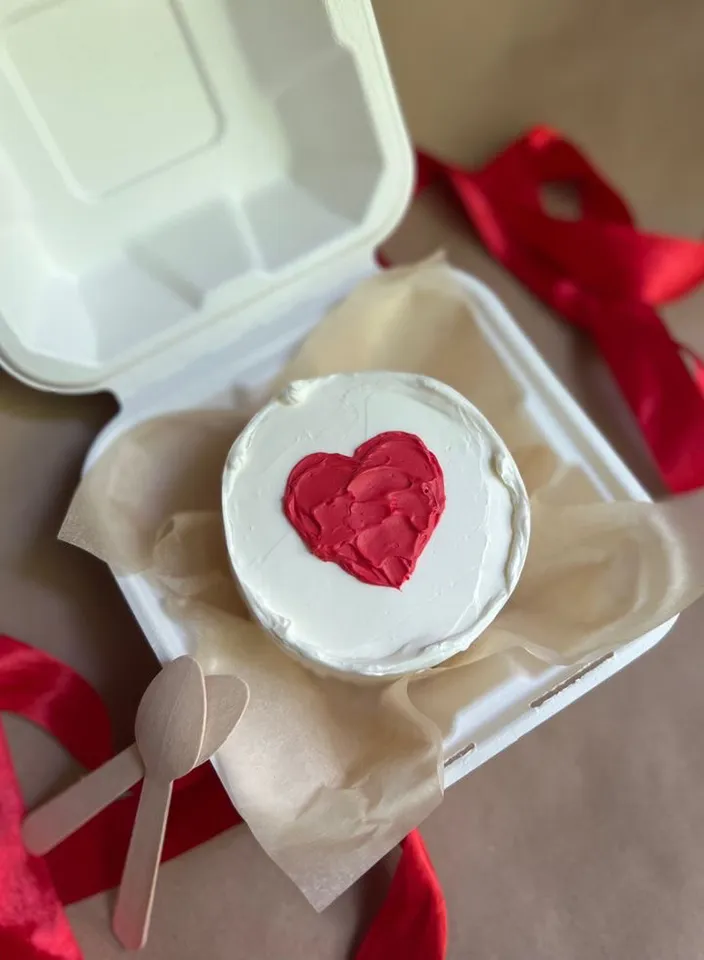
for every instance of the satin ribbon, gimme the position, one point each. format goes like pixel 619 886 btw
pixel 602 274
pixel 33 925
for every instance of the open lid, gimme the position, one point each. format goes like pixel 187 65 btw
pixel 173 167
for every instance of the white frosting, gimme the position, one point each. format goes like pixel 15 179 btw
pixel 462 579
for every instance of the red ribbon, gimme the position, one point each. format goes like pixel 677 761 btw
pixel 33 925
pixel 603 275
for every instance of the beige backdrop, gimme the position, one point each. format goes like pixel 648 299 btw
pixel 584 840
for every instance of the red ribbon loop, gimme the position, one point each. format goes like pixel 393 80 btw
pixel 603 275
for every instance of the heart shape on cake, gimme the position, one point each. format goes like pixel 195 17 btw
pixel 372 513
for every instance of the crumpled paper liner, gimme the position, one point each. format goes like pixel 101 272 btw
pixel 330 775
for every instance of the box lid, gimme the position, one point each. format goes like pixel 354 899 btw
pixel 171 171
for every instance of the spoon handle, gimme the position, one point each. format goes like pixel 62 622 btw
pixel 61 816
pixel 135 897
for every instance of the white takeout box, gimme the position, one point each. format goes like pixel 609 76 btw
pixel 185 187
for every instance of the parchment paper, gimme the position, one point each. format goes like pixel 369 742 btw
pixel 329 775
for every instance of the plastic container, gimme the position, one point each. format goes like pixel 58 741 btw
pixel 185 187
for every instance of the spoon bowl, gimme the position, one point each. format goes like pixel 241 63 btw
pixel 170 724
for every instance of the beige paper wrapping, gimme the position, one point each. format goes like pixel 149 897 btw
pixel 330 775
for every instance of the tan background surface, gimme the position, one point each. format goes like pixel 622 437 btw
pixel 584 840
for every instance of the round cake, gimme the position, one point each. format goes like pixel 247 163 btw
pixel 376 522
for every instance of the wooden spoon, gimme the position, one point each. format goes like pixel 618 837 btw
pixel 169 730
pixel 44 828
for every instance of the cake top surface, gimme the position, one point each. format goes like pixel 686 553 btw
pixel 375 521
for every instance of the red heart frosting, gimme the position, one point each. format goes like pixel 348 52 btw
pixel 372 513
